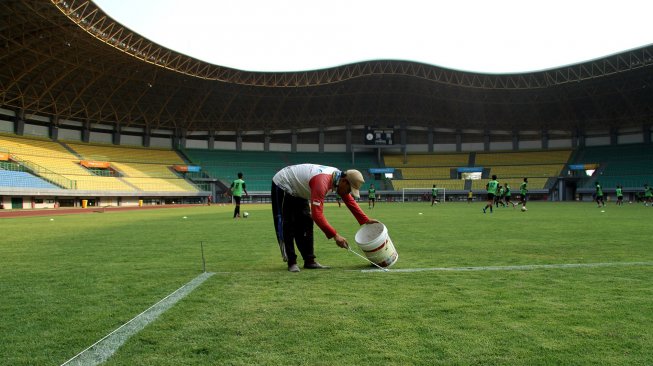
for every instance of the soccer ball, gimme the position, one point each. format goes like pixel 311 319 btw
pixel 245 214
pixel 523 209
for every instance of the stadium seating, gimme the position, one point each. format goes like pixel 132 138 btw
pixel 146 170
pixel 424 170
pixel 449 184
pixel 19 179
pixel 541 167
pixel 627 165
pixel 259 167
pixel 426 173
pixel 126 154
pixel 486 159
pixel 516 171
pixel 533 183
pixel 426 160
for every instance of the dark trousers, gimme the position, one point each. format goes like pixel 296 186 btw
pixel 237 208
pixel 293 225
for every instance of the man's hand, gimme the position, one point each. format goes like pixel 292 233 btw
pixel 341 241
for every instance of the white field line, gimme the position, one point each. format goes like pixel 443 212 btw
pixel 101 350
pixel 526 267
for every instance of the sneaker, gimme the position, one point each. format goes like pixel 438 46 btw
pixel 483 210
pixel 314 265
pixel 293 268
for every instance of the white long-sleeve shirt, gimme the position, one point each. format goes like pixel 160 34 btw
pixel 312 182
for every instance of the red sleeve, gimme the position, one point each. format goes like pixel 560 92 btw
pixel 320 186
pixel 352 205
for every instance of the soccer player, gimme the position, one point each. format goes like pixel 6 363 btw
pixel 371 196
pixel 237 188
pixel 620 195
pixel 523 191
pixel 508 195
pixel 470 196
pixel 298 193
pixel 599 195
pixel 434 195
pixel 648 194
pixel 491 188
pixel 498 199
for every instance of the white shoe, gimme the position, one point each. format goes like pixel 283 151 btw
pixel 293 268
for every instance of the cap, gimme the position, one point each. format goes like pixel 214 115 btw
pixel 355 179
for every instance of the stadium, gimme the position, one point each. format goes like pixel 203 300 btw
pixel 95 118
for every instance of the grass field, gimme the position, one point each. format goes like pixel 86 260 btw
pixel 456 296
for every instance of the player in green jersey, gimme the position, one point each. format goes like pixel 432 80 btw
pixel 620 195
pixel 599 195
pixel 648 194
pixel 498 199
pixel 523 191
pixel 508 195
pixel 434 195
pixel 371 196
pixel 237 188
pixel 491 187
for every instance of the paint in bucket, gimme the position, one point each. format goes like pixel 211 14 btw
pixel 374 241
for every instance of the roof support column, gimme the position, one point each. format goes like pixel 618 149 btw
pixel 431 137
pixel 545 138
pixel 486 140
pixel 646 130
pixel 239 140
pixel 578 138
pixel 147 134
pixel 211 139
pixel 117 132
pixel 54 128
pixel 179 138
pixel 19 122
pixel 320 139
pixel 86 132
pixel 613 136
pixel 267 137
pixel 293 140
pixel 459 140
pixel 515 139
pixel 348 137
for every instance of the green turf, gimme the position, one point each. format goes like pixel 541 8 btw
pixel 69 282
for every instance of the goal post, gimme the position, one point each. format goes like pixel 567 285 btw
pixel 422 194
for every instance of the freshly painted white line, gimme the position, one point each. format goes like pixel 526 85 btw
pixel 526 267
pixel 101 350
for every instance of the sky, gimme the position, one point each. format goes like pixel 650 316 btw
pixel 487 36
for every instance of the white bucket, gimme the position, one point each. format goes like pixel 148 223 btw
pixel 374 241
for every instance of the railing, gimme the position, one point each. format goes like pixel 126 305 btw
pixel 6 165
pixel 47 174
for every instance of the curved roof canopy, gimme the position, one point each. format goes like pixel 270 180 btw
pixel 69 60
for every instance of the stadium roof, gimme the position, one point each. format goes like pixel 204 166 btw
pixel 69 60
